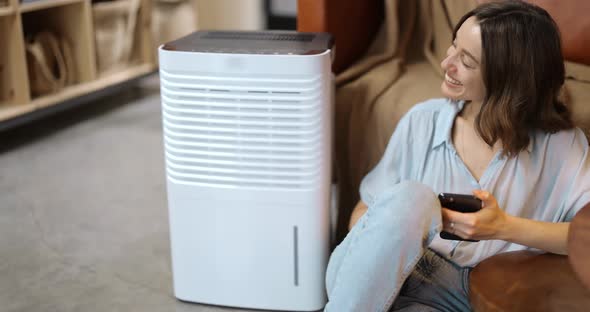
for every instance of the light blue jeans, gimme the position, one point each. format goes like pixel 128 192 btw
pixel 387 249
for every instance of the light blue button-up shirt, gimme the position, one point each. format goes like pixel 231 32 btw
pixel 548 181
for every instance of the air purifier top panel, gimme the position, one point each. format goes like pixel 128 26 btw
pixel 253 42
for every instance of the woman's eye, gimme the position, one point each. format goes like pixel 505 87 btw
pixel 466 63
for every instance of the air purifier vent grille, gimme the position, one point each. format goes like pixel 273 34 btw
pixel 242 132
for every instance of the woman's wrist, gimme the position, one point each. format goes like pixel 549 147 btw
pixel 507 229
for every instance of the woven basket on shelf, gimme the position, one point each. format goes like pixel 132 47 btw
pixel 172 19
pixel 114 28
pixel 50 63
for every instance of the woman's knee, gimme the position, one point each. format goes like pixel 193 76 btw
pixel 406 201
pixel 413 191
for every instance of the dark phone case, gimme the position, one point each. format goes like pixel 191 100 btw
pixel 461 203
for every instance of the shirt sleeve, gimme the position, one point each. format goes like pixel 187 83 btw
pixel 579 194
pixel 387 173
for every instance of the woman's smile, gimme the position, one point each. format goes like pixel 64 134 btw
pixel 451 82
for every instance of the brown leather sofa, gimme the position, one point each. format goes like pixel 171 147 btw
pixel 387 59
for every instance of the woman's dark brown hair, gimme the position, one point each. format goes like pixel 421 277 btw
pixel 523 71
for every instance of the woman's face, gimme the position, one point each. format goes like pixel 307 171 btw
pixel 462 66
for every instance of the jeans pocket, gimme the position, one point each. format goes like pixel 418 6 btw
pixel 412 283
pixel 422 272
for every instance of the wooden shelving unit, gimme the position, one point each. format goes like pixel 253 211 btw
pixel 44 4
pixel 72 19
pixel 96 84
pixel 6 11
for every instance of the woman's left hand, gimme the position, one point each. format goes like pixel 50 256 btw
pixel 485 224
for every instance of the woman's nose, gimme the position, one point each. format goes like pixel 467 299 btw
pixel 448 63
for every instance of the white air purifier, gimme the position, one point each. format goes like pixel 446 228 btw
pixel 247 120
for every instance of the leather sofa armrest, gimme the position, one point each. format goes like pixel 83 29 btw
pixel 353 23
pixel 527 281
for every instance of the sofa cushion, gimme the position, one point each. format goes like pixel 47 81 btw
pixel 574 26
pixel 572 19
pixel 577 94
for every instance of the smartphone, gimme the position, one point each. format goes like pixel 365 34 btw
pixel 461 203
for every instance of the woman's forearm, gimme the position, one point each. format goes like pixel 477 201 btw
pixel 547 236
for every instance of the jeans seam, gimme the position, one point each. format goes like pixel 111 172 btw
pixel 405 274
pixel 465 285
pixel 350 247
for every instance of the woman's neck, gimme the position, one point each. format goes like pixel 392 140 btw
pixel 470 111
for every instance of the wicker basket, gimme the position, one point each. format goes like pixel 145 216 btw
pixel 172 19
pixel 50 63
pixel 114 28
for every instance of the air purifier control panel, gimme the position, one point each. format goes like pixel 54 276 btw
pixel 253 42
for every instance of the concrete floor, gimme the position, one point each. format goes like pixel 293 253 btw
pixel 83 215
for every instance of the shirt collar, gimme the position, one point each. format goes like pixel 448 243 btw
pixel 446 118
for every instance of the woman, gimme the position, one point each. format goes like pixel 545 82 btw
pixel 502 135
